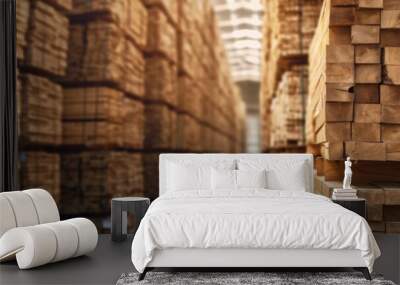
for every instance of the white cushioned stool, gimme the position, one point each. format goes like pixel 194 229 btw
pixel 31 230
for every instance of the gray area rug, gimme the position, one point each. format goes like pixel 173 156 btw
pixel 228 278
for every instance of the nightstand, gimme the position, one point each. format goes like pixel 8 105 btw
pixel 120 207
pixel 358 206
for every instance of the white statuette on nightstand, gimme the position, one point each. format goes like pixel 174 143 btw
pixel 347 174
pixel 347 192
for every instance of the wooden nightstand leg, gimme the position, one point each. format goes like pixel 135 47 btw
pixel 364 271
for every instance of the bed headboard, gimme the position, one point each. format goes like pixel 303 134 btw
pixel 226 156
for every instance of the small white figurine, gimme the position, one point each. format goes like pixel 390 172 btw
pixel 347 174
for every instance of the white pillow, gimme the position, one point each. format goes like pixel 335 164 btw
pixel 188 177
pixel 282 174
pixel 223 179
pixel 251 178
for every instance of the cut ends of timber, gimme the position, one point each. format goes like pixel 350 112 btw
pixel 365 150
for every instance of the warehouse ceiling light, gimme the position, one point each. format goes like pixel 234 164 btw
pixel 240 24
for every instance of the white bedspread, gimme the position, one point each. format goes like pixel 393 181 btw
pixel 250 219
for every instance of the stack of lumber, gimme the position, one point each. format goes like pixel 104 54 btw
pixel 103 109
pixel 40 169
pixel 383 201
pixel 189 133
pixel 287 120
pixel 161 73
pixel 42 43
pixel 353 106
pixel 390 89
pixel 41 111
pixel 91 178
pixel 107 83
pixel 287 32
pixel 100 53
pixel 161 81
pixel 102 117
pixel 207 112
pixel 22 18
pixel 47 38
pixel 160 127
pixel 130 16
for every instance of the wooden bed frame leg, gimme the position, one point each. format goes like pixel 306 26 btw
pixel 364 271
pixel 143 274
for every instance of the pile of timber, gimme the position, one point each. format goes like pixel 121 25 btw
pixel 161 81
pixel 101 80
pixel 160 127
pixel 41 169
pixel 292 25
pixel 42 43
pixel 353 106
pixel 192 104
pixel 354 103
pixel 383 198
pixel 91 178
pixel 101 54
pixel 46 39
pixel 161 73
pixel 287 118
pixel 22 22
pixel 102 117
pixel 41 111
pixel 130 16
pixel 103 109
pixel 288 27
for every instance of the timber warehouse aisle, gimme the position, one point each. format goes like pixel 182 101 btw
pixel 105 86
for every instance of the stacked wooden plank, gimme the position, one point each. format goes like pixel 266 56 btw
pixel 383 201
pixel 390 89
pixel 287 119
pixel 99 52
pixel 47 38
pixel 161 75
pixel 160 127
pixel 41 169
pixel 91 178
pixel 22 18
pixel 106 71
pixel 287 32
pixel 352 108
pixel 105 82
pixel 354 104
pixel 130 16
pixel 204 116
pixel 41 111
pixel 42 43
pixel 103 116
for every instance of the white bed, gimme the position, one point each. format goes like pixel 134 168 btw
pixel 250 227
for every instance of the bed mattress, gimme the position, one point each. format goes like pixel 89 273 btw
pixel 250 219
